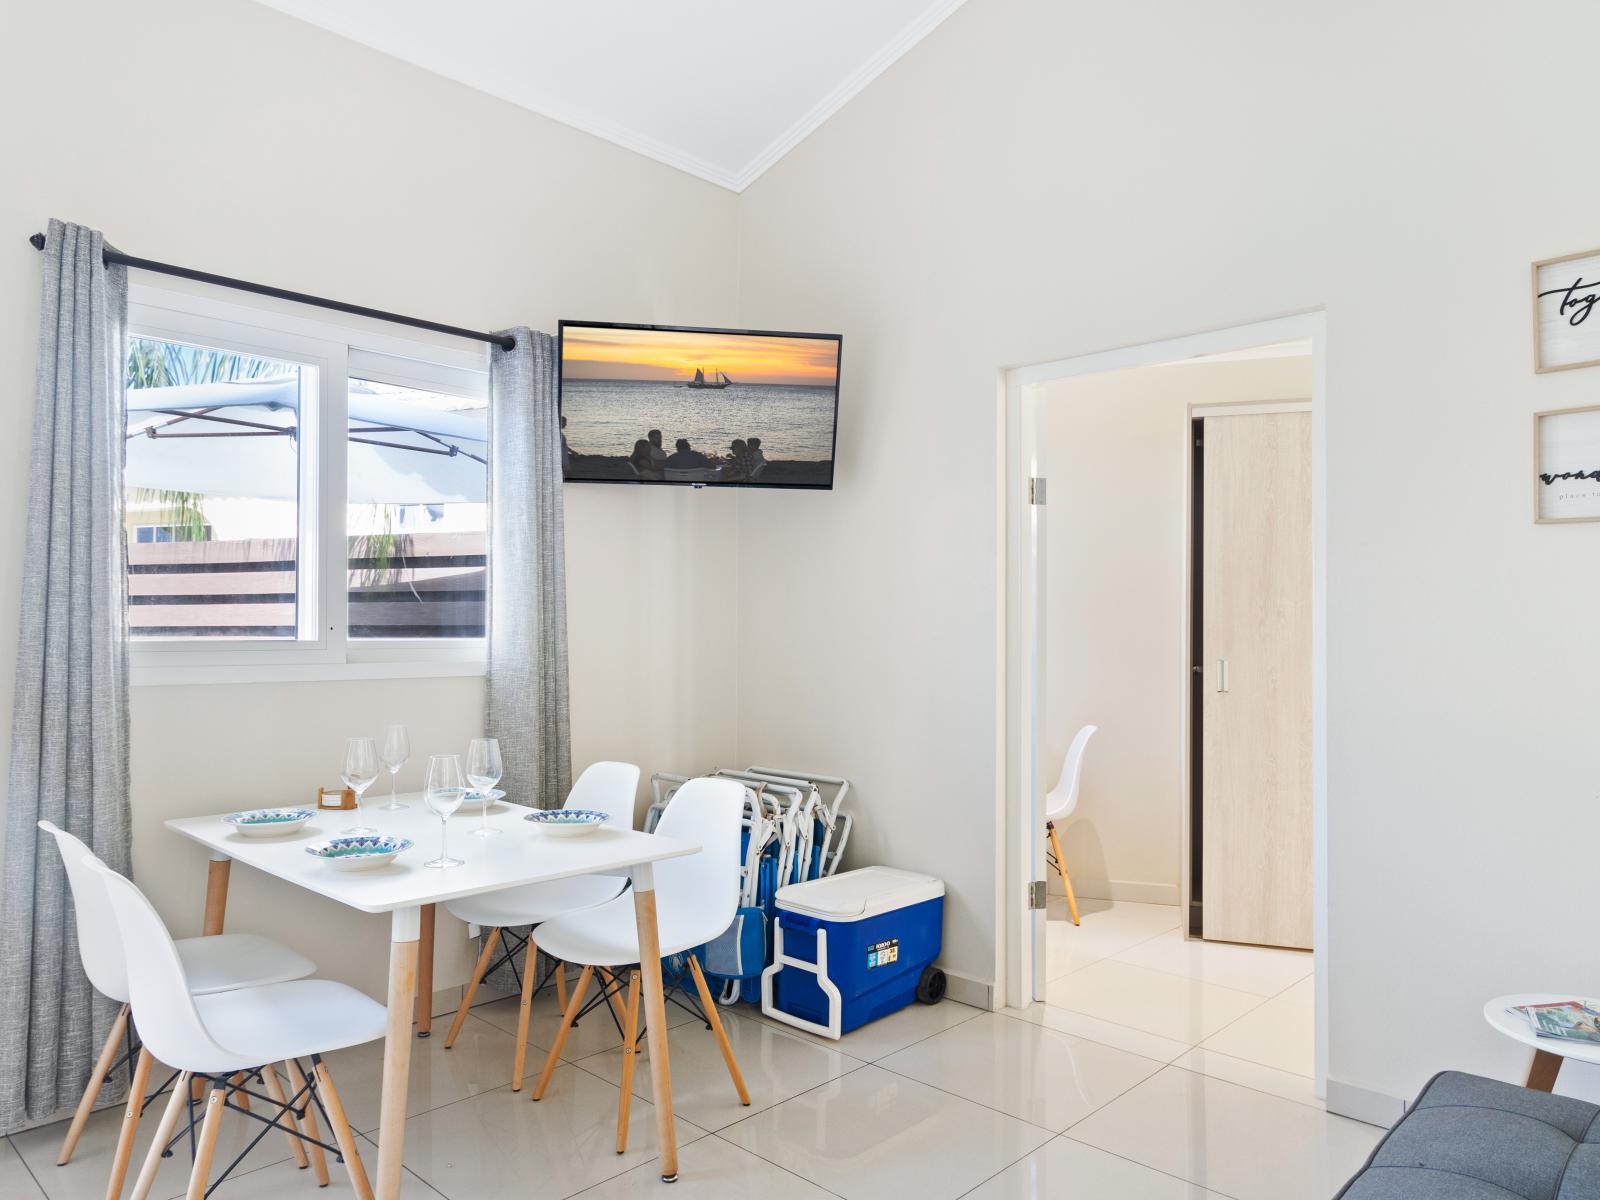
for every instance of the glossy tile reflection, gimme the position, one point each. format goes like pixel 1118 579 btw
pixel 872 1133
pixel 1231 1139
pixel 1161 1069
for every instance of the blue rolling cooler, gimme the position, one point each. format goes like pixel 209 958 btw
pixel 851 948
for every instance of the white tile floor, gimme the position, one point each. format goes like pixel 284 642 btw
pixel 1158 1070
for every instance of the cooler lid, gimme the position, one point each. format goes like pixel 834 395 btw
pixel 856 895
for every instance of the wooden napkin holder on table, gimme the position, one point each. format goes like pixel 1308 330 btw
pixel 334 799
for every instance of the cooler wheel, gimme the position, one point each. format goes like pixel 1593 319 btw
pixel 930 988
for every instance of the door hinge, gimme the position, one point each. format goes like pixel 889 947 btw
pixel 1036 894
pixel 1035 490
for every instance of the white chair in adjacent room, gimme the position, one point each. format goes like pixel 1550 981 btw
pixel 696 898
pixel 210 964
pixel 608 787
pixel 1059 804
pixel 224 1038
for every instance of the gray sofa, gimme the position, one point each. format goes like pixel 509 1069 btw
pixel 1468 1138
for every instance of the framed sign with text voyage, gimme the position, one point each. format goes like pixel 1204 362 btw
pixel 1566 291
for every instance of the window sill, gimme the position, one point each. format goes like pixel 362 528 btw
pixel 162 674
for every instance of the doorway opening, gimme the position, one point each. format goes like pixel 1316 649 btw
pixel 1164 580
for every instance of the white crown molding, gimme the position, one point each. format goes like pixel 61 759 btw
pixel 737 181
pixel 628 139
pixel 542 106
pixel 734 180
pixel 880 62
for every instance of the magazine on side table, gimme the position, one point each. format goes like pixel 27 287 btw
pixel 1568 1020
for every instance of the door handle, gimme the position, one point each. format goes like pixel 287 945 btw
pixel 1222 674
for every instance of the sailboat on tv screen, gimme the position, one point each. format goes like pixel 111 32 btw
pixel 701 383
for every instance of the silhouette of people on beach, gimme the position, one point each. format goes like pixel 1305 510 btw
pixel 686 457
pixel 742 462
pixel 736 466
pixel 643 460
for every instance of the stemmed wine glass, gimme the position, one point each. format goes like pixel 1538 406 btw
pixel 396 753
pixel 483 772
pixel 445 791
pixel 360 771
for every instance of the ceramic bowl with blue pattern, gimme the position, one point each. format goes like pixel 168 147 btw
pixel 567 822
pixel 360 853
pixel 269 822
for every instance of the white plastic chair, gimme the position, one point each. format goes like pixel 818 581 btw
pixel 696 898
pixel 224 1037
pixel 210 964
pixel 1059 804
pixel 608 787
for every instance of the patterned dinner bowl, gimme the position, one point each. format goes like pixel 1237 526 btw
pixel 359 853
pixel 567 822
pixel 269 822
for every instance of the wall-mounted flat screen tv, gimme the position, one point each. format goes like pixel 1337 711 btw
pixel 705 407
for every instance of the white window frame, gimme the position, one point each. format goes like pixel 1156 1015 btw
pixel 336 352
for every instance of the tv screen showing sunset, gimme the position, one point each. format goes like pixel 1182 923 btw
pixel 657 405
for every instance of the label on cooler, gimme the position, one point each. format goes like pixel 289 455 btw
pixel 883 953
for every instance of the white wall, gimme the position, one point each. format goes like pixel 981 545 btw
pixel 1039 180
pixel 225 136
pixel 1034 180
pixel 1115 449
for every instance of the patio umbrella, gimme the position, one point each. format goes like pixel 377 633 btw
pixel 241 439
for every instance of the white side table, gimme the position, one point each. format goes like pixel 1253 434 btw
pixel 1547 1052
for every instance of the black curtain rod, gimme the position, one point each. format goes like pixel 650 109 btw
pixel 113 257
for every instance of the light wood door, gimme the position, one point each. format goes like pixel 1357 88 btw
pixel 1256 877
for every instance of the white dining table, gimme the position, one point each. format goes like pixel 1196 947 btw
pixel 408 891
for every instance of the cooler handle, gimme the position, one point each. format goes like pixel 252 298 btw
pixel 819 969
pixel 799 921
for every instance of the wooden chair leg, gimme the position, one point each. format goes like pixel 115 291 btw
pixel 561 985
pixel 343 1137
pixel 176 1104
pixel 241 1098
pixel 91 1090
pixel 715 1018
pixel 319 1160
pixel 130 1126
pixel 1061 865
pixel 530 975
pixel 567 1018
pixel 630 1039
pixel 209 1129
pixel 490 941
pixel 274 1086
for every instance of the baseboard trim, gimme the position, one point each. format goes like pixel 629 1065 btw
pixel 1132 890
pixel 964 989
pixel 1363 1104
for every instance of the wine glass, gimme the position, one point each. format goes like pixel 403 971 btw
pixel 444 793
pixel 483 772
pixel 360 771
pixel 396 753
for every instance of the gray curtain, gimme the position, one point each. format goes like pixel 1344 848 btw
pixel 69 734
pixel 527 687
